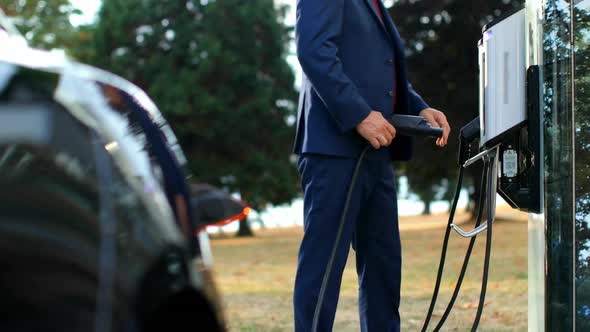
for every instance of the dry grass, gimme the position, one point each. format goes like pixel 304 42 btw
pixel 256 278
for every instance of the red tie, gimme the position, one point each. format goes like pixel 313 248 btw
pixel 376 3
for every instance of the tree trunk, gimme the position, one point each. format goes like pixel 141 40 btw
pixel 244 230
pixel 427 210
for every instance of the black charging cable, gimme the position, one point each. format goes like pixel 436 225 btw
pixel 486 264
pixel 318 307
pixel 467 257
pixel 443 255
pixel 468 134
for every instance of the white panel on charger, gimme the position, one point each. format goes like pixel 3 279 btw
pixel 502 61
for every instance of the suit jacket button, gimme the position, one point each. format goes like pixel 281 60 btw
pixel 390 93
pixel 390 61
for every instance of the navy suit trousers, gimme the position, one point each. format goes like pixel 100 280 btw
pixel 371 228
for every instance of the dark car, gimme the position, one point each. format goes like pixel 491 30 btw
pixel 99 227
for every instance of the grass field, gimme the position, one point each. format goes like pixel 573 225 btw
pixel 256 278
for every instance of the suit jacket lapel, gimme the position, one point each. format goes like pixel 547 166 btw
pixel 390 27
pixel 376 14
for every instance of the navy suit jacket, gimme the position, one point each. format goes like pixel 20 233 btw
pixel 349 58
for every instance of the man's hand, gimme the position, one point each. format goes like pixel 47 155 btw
pixel 375 129
pixel 437 119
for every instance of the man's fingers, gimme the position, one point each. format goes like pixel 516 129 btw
pixel 446 132
pixel 375 143
pixel 439 120
pixel 388 137
pixel 442 122
pixel 391 130
pixel 435 121
pixel 382 141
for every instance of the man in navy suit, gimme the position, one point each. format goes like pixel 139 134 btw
pixel 354 78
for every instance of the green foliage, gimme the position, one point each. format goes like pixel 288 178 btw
pixel 582 162
pixel 217 70
pixel 45 24
pixel 441 44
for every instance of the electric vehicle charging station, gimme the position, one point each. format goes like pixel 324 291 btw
pixel 534 140
pixel 509 128
pixel 549 148
pixel 534 136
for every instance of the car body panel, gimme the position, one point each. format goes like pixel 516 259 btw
pixel 95 224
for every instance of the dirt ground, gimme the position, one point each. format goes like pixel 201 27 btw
pixel 256 276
